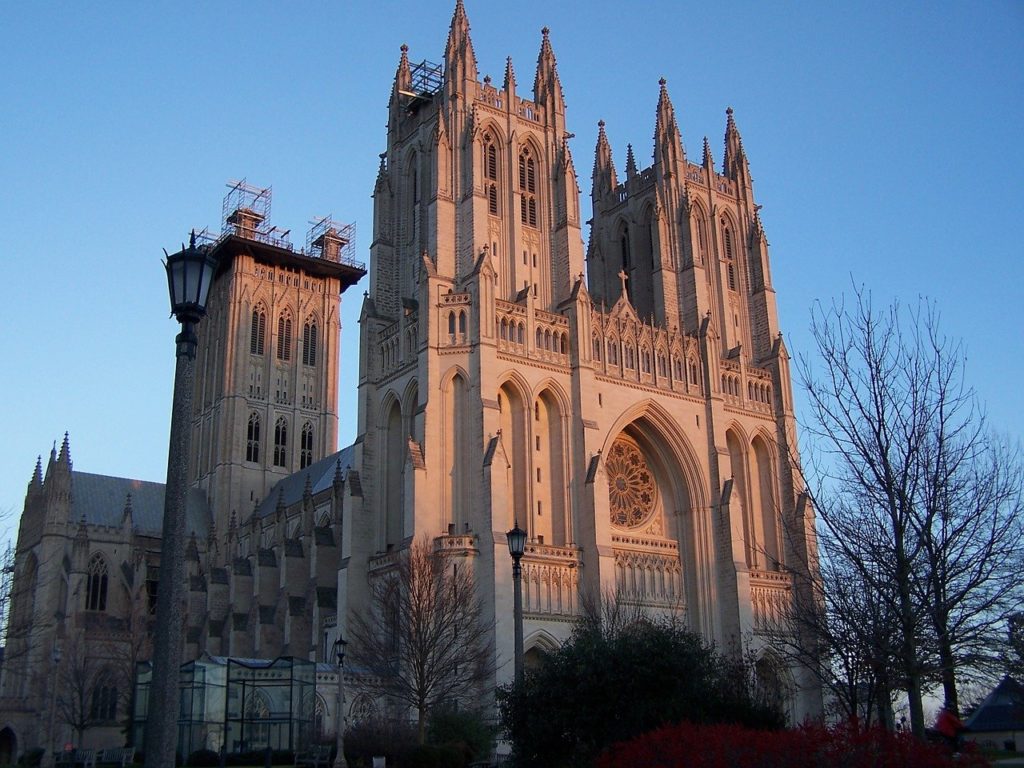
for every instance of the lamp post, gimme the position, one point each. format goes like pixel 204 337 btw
pixel 516 546
pixel 189 275
pixel 339 731
pixel 55 656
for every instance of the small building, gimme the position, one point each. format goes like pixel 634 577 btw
pixel 999 722
pixel 247 705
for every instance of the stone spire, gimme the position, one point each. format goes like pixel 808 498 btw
pixel 708 162
pixel 630 162
pixel 547 88
pixel 668 143
pixel 403 76
pixel 735 163
pixel 127 514
pixel 459 59
pixel 64 457
pixel 36 483
pixel 604 179
pixel 510 77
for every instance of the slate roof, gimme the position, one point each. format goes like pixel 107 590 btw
pixel 100 500
pixel 1002 710
pixel 321 474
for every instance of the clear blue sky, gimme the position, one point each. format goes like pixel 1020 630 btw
pixel 884 139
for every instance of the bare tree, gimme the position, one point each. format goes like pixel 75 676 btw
pixel 83 683
pixel 912 492
pixel 424 641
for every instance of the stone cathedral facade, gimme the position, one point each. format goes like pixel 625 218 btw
pixel 628 404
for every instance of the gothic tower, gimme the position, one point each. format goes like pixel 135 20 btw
pixel 266 393
pixel 638 424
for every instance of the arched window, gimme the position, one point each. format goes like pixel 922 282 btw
pixel 309 343
pixel 627 259
pixel 613 351
pixel 462 323
pixel 281 443
pixel 491 174
pixel 258 333
pixel 702 237
pixel 284 336
pixel 252 438
pixel 730 264
pixel 630 356
pixel 306 448
pixel 96 592
pixel 528 187
pixel 597 349
pixel 104 703
pixel 451 323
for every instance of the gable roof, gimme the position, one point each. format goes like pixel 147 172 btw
pixel 100 500
pixel 1002 710
pixel 321 475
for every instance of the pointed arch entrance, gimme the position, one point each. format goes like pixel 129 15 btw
pixel 657 514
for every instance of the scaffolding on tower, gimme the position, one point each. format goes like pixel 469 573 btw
pixel 332 240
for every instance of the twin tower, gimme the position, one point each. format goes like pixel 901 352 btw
pixel 629 406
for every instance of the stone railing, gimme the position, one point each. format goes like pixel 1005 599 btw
pixel 649 578
pixel 771 594
pixel 458 545
pixel 551 577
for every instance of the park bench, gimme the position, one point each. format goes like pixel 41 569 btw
pixel 78 758
pixel 120 757
pixel 315 757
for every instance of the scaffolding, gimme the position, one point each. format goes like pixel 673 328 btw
pixel 332 240
pixel 427 78
pixel 246 212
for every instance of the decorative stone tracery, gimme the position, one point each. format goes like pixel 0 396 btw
pixel 632 492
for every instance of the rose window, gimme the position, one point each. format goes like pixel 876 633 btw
pixel 631 489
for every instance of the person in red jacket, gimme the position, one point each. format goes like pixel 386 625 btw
pixel 949 727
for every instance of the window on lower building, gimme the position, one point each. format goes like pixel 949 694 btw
pixel 96 593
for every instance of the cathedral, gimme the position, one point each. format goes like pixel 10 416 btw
pixel 628 404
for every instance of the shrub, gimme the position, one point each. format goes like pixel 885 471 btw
pixel 32 758
pixel 810 746
pixel 467 732
pixel 612 682
pixel 203 758
pixel 392 739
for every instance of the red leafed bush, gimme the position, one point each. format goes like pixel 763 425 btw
pixel 810 746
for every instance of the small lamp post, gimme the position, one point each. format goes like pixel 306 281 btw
pixel 516 546
pixel 339 731
pixel 55 656
pixel 190 273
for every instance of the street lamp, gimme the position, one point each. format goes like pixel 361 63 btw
pixel 339 731
pixel 55 656
pixel 189 276
pixel 516 546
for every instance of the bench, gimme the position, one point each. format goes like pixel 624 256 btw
pixel 121 757
pixel 79 758
pixel 314 757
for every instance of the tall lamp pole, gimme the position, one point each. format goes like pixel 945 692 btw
pixel 516 546
pixel 189 275
pixel 339 731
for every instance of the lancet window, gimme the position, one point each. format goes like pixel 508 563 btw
pixel 528 187
pixel 281 443
pixel 284 336
pixel 491 173
pixel 258 333
pixel 96 592
pixel 252 438
pixel 306 447
pixel 309 341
